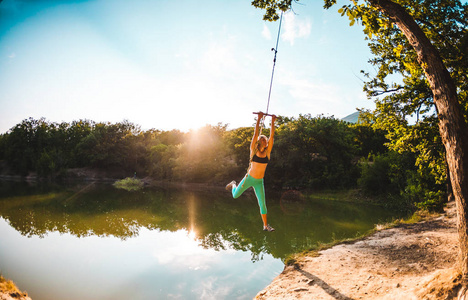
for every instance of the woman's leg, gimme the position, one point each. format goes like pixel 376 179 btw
pixel 260 193
pixel 264 219
pixel 243 185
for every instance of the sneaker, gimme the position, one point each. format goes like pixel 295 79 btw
pixel 230 185
pixel 268 228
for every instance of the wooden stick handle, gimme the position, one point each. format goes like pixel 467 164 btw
pixel 256 113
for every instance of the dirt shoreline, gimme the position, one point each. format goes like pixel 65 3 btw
pixel 410 261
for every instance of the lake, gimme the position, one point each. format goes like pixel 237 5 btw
pixel 93 241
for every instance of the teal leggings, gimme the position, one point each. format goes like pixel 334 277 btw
pixel 258 187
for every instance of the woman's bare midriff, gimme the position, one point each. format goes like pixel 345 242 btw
pixel 257 170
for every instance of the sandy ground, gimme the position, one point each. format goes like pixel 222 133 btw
pixel 410 261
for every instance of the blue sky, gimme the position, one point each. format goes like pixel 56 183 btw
pixel 174 64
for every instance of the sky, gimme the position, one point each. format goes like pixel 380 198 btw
pixel 183 64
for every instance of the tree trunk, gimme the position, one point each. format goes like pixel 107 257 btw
pixel 452 126
pixel 450 196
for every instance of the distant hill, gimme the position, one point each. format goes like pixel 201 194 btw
pixel 352 118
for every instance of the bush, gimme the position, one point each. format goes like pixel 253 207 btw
pixel 129 184
pixel 385 173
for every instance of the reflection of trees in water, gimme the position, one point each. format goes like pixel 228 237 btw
pixel 100 211
pixel 104 211
pixel 218 221
pixel 235 240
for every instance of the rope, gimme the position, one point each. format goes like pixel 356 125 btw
pixel 274 61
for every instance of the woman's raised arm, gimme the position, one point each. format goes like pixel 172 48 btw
pixel 256 132
pixel 272 135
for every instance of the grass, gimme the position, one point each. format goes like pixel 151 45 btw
pixel 351 195
pixel 418 216
pixel 293 259
pixel 395 203
pixel 129 184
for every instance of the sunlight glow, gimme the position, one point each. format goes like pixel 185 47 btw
pixel 185 253
pixel 192 209
pixel 192 234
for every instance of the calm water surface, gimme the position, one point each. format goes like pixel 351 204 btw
pixel 92 241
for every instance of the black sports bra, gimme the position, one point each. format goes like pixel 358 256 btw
pixel 260 160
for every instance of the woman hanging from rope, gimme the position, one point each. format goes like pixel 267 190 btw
pixel 260 150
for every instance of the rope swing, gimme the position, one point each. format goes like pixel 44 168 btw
pixel 274 62
pixel 273 69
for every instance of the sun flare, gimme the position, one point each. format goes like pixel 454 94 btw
pixel 192 234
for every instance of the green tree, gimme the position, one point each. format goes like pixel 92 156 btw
pixel 75 133
pixel 315 153
pixel 113 147
pixel 238 140
pixel 390 175
pixel 163 150
pixel 368 140
pixel 204 157
pixel 445 23
pixel 25 143
pixel 161 161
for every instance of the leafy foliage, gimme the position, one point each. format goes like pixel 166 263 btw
pixel 272 7
pixel 310 152
pixel 406 110
pixel 316 153
pixel 129 184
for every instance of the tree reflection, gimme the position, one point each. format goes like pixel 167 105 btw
pixel 217 221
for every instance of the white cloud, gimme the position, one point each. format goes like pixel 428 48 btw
pixel 210 288
pixel 294 28
pixel 219 58
pixel 266 33
pixel 307 90
pixel 184 253
pixel 312 95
